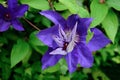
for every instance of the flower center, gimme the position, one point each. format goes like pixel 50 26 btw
pixel 66 40
pixel 7 16
pixel 65 45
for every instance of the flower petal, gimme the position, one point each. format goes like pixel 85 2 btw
pixel 4 25
pixel 72 60
pixel 2 10
pixel 12 4
pixel 98 41
pixel 50 60
pixel 71 21
pixel 83 25
pixel 20 10
pixel 55 17
pixel 84 55
pixel 46 36
pixel 17 25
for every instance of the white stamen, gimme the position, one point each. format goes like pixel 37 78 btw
pixel 58 40
pixel 72 36
pixel 58 51
pixel 62 33
pixel 73 33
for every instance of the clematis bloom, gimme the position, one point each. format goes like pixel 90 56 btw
pixel 67 39
pixel 9 15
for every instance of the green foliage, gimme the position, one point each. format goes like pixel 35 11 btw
pixel 64 78
pixel 36 43
pixel 19 51
pixel 98 12
pixel 97 74
pixel 110 24
pixel 60 6
pixel 52 69
pixel 114 3
pixel 75 8
pixel 37 4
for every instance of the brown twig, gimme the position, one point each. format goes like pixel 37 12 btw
pixel 31 24
pixel 51 4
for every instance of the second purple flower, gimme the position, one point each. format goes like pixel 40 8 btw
pixel 9 15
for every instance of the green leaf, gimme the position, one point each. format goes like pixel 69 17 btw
pixel 75 8
pixel 66 14
pixel 98 73
pixel 103 54
pixel 89 36
pixel 19 52
pixel 64 78
pixel 63 66
pixel 110 24
pixel 37 44
pixel 114 3
pixel 98 12
pixel 59 6
pixel 52 69
pixel 116 59
pixel 34 40
pixel 46 22
pixel 37 4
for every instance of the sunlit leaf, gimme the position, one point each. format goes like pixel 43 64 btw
pixel 114 3
pixel 60 6
pixel 110 24
pixel 116 59
pixel 37 4
pixel 98 12
pixel 75 8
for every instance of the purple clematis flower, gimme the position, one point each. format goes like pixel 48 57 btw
pixel 67 39
pixel 9 15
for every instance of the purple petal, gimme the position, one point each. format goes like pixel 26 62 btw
pixel 84 55
pixel 50 60
pixel 2 10
pixel 17 25
pixel 20 10
pixel 46 36
pixel 83 25
pixel 12 4
pixel 71 21
pixel 4 25
pixel 72 60
pixel 98 41
pixel 55 17
pixel 1 7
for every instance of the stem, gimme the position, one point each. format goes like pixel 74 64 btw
pixel 31 24
pixel 51 5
